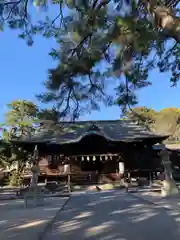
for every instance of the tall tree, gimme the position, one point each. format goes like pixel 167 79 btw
pixel 20 121
pixel 21 118
pixel 48 114
pixel 101 40
pixel 143 115
pixel 166 121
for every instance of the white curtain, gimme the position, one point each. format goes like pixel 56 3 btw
pixel 121 167
pixel 66 169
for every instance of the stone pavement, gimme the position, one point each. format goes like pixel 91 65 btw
pixel 10 194
pixel 154 197
pixel 113 215
pixel 17 222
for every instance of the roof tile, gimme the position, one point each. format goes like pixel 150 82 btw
pixel 115 130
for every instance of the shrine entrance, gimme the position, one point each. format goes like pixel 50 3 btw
pixel 100 163
pixel 95 168
pixel 91 163
pixel 94 155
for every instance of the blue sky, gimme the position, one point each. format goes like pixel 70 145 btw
pixel 23 70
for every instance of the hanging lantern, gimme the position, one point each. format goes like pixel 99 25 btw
pixel 67 169
pixel 82 159
pixel 88 158
pixel 106 157
pixel 94 158
pixel 121 167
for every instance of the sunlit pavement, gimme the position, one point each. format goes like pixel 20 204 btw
pixel 18 222
pixel 114 215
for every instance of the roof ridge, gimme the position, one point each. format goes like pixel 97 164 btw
pixel 95 121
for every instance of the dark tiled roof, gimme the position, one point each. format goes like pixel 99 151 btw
pixel 117 130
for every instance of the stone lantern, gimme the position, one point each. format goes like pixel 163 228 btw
pixel 35 168
pixel 34 196
pixel 169 185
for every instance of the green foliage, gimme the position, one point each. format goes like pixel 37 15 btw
pixel 5 154
pixel 100 41
pixel 20 121
pixel 143 115
pixel 15 176
pixel 99 45
pixel 166 121
pixel 48 115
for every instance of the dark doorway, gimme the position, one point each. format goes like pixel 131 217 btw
pixel 91 164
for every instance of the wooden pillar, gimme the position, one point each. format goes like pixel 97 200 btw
pixel 69 183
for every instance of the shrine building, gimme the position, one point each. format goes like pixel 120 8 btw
pixel 91 146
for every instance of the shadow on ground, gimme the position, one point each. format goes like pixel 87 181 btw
pixel 18 222
pixel 114 216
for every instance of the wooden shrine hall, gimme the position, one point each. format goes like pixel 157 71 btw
pixel 93 146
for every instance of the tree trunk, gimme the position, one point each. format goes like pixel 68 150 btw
pixel 165 18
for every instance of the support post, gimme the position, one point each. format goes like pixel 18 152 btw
pixel 69 183
pixel 150 180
